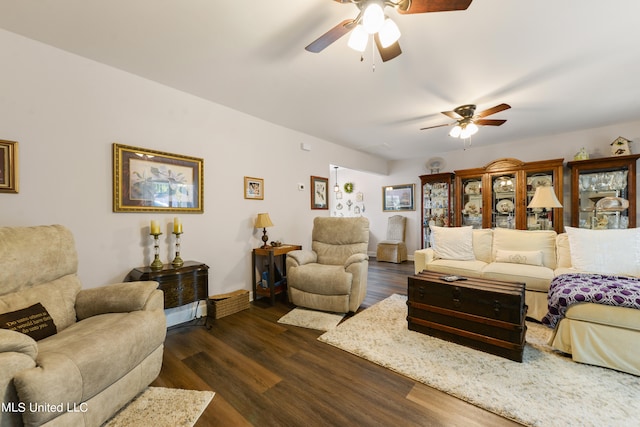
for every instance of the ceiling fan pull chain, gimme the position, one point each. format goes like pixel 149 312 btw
pixel 373 57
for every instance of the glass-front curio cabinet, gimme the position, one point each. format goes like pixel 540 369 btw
pixel 603 192
pixel 437 203
pixel 497 195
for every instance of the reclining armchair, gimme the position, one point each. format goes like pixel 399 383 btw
pixel 70 356
pixel 332 276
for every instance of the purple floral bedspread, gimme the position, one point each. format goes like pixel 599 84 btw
pixel 568 289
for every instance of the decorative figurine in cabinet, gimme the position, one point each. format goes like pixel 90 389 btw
pixel 437 203
pixel 497 195
pixel 603 192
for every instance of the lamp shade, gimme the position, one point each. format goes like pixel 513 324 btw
pixel 263 221
pixel 389 33
pixel 358 39
pixel 544 197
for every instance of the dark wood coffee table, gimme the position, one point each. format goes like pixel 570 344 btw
pixel 487 315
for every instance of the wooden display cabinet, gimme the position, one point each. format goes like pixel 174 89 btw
pixel 437 192
pixel 593 180
pixel 497 195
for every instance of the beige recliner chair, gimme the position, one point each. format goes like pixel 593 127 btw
pixel 394 249
pixel 332 276
pixel 85 353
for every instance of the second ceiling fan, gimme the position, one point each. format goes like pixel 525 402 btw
pixel 371 20
pixel 467 121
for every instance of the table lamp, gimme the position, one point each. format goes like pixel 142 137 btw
pixel 544 198
pixel 263 221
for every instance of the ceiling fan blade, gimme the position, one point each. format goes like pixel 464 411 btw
pixel 424 6
pixel 452 114
pixel 331 36
pixel 489 122
pixel 493 110
pixel 436 126
pixel 389 52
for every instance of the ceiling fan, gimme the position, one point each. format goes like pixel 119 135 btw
pixel 467 121
pixel 372 20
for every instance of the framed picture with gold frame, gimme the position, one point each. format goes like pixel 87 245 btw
pixel 8 166
pixel 319 193
pixel 398 198
pixel 147 180
pixel 253 188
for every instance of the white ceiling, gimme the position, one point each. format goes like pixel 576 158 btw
pixel 562 65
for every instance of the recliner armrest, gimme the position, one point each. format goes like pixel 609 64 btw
pixel 302 257
pixel 116 298
pixel 355 258
pixel 12 341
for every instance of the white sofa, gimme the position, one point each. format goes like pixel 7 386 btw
pixel 592 333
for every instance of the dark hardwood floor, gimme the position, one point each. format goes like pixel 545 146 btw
pixel 268 374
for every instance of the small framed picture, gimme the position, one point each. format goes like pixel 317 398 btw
pixel 253 188
pixel 319 193
pixel 398 198
pixel 8 166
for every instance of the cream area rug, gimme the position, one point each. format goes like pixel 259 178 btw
pixel 163 407
pixel 311 319
pixel 547 389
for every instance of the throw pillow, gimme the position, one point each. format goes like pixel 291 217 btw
pixel 605 251
pixel 34 321
pixel 455 243
pixel 519 257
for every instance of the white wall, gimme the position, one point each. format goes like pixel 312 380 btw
pixel 66 111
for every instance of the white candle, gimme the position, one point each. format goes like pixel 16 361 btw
pixel 155 227
pixel 177 225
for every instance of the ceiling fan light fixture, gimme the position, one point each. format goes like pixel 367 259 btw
pixel 455 131
pixel 472 129
pixel 389 33
pixel 358 39
pixel 373 17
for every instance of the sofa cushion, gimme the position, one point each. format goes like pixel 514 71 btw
pixel 536 278
pixel 563 251
pixel 58 298
pixel 454 243
pixel 618 250
pixel 519 257
pixel 34 321
pixel 526 240
pixel 483 244
pixel 460 268
pixel 87 357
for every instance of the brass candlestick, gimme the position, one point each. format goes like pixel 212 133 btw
pixel 177 261
pixel 156 264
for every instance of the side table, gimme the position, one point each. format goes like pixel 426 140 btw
pixel 271 252
pixel 181 285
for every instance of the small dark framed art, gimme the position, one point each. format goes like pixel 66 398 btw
pixel 8 166
pixel 319 192
pixel 398 198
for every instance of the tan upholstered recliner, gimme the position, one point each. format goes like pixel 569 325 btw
pixel 332 276
pixel 85 353
pixel 394 248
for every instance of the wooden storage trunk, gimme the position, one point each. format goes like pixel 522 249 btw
pixel 487 315
pixel 225 304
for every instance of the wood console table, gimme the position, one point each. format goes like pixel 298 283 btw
pixel 271 252
pixel 181 285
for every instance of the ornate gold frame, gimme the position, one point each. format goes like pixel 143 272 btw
pixel 154 181
pixel 8 166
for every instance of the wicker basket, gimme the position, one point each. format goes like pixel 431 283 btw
pixel 225 304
